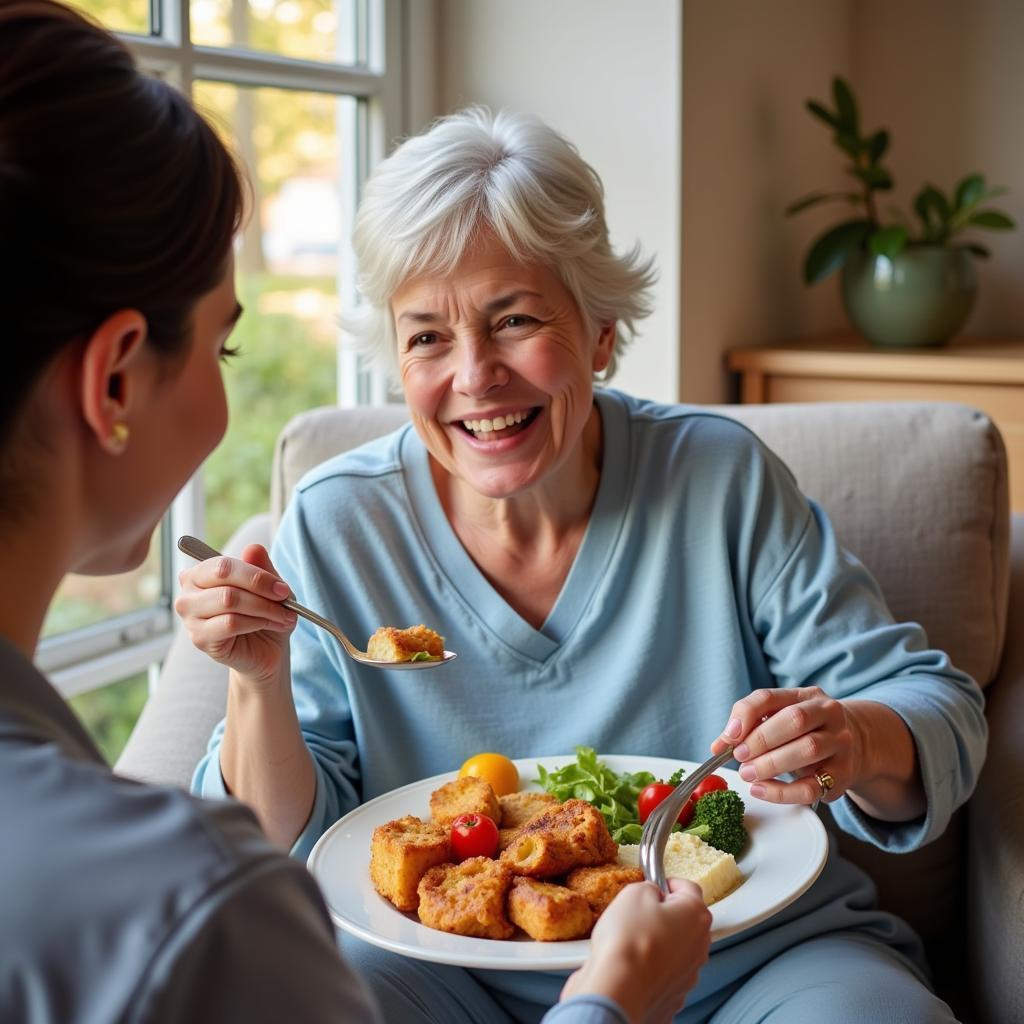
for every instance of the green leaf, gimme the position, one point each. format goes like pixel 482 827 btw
pixel 848 142
pixel 888 241
pixel 994 219
pixel 826 115
pixel 979 250
pixel 874 176
pixel 628 835
pixel 969 191
pixel 813 198
pixel 846 106
pixel 934 210
pixel 831 250
pixel 877 145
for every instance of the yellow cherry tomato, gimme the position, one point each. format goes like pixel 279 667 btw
pixel 496 769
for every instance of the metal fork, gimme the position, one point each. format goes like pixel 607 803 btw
pixel 658 826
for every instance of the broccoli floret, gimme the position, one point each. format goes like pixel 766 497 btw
pixel 718 820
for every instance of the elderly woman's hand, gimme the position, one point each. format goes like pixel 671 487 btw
pixel 646 951
pixel 232 610
pixel 830 747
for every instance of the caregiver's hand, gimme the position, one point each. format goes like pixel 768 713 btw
pixel 831 747
pixel 646 951
pixel 232 610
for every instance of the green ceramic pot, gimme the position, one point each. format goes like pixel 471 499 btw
pixel 920 297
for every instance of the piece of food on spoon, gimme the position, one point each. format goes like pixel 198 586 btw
pixel 417 643
pixel 548 913
pixel 467 898
pixel 688 857
pixel 468 795
pixel 401 852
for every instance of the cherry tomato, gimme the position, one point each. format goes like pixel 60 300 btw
pixel 653 794
pixel 474 835
pixel 496 769
pixel 709 785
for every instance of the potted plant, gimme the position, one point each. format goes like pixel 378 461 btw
pixel 904 282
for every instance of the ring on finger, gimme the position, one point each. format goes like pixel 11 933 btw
pixel 825 781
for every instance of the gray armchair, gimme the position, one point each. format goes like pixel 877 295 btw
pixel 919 492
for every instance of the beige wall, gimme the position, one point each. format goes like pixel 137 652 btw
pixel 749 148
pixel 606 73
pixel 946 78
pixel 693 114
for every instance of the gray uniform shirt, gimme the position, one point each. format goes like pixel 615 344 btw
pixel 121 902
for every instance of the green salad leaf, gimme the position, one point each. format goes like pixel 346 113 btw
pixel 717 819
pixel 592 780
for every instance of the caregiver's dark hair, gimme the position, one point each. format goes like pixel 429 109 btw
pixel 114 194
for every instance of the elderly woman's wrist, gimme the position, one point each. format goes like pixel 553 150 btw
pixel 887 780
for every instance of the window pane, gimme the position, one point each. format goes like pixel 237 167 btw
pixel 110 712
pixel 85 600
pixel 287 281
pixel 322 30
pixel 117 15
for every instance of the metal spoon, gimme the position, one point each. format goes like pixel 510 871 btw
pixel 201 551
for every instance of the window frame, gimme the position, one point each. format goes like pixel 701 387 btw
pixel 118 647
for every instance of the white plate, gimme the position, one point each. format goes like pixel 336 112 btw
pixel 786 853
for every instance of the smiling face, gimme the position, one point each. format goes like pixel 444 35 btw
pixel 497 366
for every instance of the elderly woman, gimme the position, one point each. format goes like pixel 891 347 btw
pixel 632 576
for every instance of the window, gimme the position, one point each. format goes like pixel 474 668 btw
pixel 306 92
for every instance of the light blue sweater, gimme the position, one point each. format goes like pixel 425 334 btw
pixel 704 573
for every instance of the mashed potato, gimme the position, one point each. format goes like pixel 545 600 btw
pixel 688 857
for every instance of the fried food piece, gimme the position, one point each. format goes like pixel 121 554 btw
pixel 600 885
pixel 547 912
pixel 518 808
pixel 417 643
pixel 506 837
pixel 467 898
pixel 567 836
pixel 468 795
pixel 401 851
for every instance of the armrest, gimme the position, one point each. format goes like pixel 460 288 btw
pixel 175 725
pixel 995 888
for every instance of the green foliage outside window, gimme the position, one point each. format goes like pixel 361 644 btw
pixel 277 374
pixel 109 713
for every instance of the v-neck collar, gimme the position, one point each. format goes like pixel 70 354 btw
pixel 585 574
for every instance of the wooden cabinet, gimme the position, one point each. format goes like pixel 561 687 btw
pixel 986 373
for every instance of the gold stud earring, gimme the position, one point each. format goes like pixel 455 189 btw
pixel 119 434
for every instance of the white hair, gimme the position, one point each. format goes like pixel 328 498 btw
pixel 425 204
